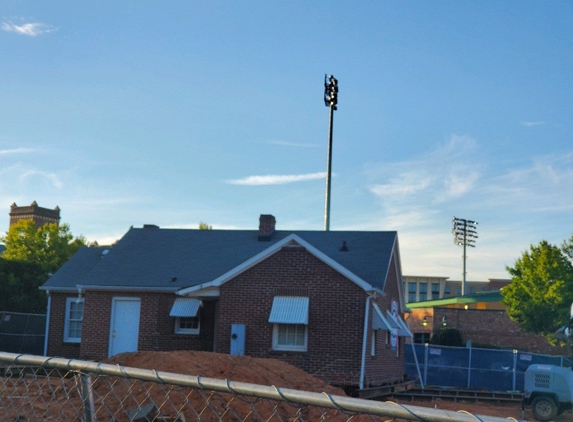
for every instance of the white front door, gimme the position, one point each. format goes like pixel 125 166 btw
pixel 124 328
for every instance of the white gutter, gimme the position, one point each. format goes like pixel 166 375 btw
pixel 86 287
pixel 365 339
pixel 47 333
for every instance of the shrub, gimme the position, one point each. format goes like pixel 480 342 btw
pixel 447 336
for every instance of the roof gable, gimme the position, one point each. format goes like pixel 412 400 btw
pixel 290 239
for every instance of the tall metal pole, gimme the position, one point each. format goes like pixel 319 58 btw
pixel 464 232
pixel 330 100
pixel 328 173
pixel 464 266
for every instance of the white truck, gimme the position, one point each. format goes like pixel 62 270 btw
pixel 548 390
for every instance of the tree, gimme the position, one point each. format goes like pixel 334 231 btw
pixel 205 226
pixel 48 246
pixel 19 282
pixel 32 254
pixel 540 294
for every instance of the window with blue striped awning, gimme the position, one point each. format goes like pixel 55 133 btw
pixel 185 307
pixel 289 310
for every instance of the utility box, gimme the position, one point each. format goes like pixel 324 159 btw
pixel 238 334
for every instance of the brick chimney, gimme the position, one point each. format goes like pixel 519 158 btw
pixel 266 227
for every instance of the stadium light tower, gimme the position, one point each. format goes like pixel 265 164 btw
pixel 330 100
pixel 465 233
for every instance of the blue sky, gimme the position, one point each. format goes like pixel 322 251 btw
pixel 177 112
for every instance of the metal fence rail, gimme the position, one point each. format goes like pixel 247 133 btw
pixel 37 388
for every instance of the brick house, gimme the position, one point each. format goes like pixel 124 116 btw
pixel 328 302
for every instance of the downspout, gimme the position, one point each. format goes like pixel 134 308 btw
pixel 365 339
pixel 47 332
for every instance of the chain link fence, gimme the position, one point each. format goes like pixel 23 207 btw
pixel 473 368
pixel 37 388
pixel 22 333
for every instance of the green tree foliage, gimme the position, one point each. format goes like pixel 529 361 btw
pixel 447 336
pixel 31 255
pixel 205 226
pixel 540 294
pixel 19 282
pixel 47 247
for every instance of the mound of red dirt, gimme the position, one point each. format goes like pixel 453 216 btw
pixel 223 366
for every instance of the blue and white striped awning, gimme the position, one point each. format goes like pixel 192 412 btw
pixel 389 322
pixel 289 310
pixel 185 307
pixel 379 322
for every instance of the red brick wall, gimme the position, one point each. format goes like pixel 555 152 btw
pixel 56 345
pixel 156 328
pixel 336 317
pixel 490 327
pixel 386 365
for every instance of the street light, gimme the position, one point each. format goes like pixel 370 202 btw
pixel 330 100
pixel 465 233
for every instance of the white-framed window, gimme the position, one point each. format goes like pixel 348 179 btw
pixel 290 337
pixel 187 325
pixel 73 320
pixel 185 310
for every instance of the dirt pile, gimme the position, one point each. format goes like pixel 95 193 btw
pixel 223 366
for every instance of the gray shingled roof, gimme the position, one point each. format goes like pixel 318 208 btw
pixel 172 259
pixel 76 268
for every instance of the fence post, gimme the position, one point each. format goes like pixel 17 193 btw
pixel 87 396
pixel 514 370
pixel 470 364
pixel 426 346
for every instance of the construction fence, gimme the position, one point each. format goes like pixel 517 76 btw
pixel 473 368
pixel 38 388
pixel 22 333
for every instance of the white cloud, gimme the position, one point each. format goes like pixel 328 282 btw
pixel 275 179
pixel 405 184
pixel 450 171
pixel 52 178
pixel 529 124
pixel 459 182
pixel 16 151
pixel 291 144
pixel 29 29
pixel 512 202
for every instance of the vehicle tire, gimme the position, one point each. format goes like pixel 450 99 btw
pixel 544 408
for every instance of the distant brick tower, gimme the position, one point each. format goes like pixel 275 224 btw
pixel 40 215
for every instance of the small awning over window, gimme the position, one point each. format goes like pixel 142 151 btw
pixel 289 310
pixel 185 307
pixel 379 322
pixel 389 322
